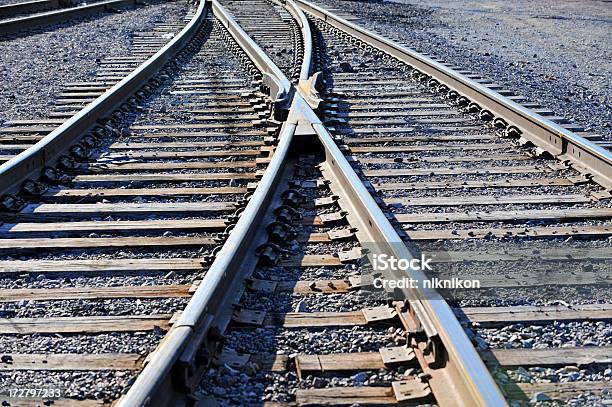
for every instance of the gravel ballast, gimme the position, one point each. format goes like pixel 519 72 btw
pixel 557 54
pixel 7 2
pixel 37 66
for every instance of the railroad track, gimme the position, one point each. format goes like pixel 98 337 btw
pixel 21 18
pixel 272 216
pixel 98 259
pixel 280 38
pixel 12 10
pixel 19 135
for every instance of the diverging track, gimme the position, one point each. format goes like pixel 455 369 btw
pixel 476 196
pixel 107 241
pixel 218 209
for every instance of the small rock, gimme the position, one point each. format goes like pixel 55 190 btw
pixel 528 343
pixel 346 67
pixel 360 377
pixel 539 397
pixel 481 343
pixel 301 307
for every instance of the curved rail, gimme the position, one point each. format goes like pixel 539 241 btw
pixel 19 24
pixel 273 78
pixel 307 84
pixel 302 21
pixel 186 347
pixel 462 368
pixel 559 142
pixel 49 148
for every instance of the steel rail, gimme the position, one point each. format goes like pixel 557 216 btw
pixel 471 384
pixel 16 25
pixel 273 78
pixel 587 157
pixel 307 84
pixel 302 22
pixel 182 346
pixel 8 10
pixel 172 370
pixel 46 151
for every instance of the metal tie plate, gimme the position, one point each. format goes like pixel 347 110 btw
pixel 382 313
pixel 350 255
pixel 410 390
pixel 249 317
pixel 396 354
pixel 341 234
